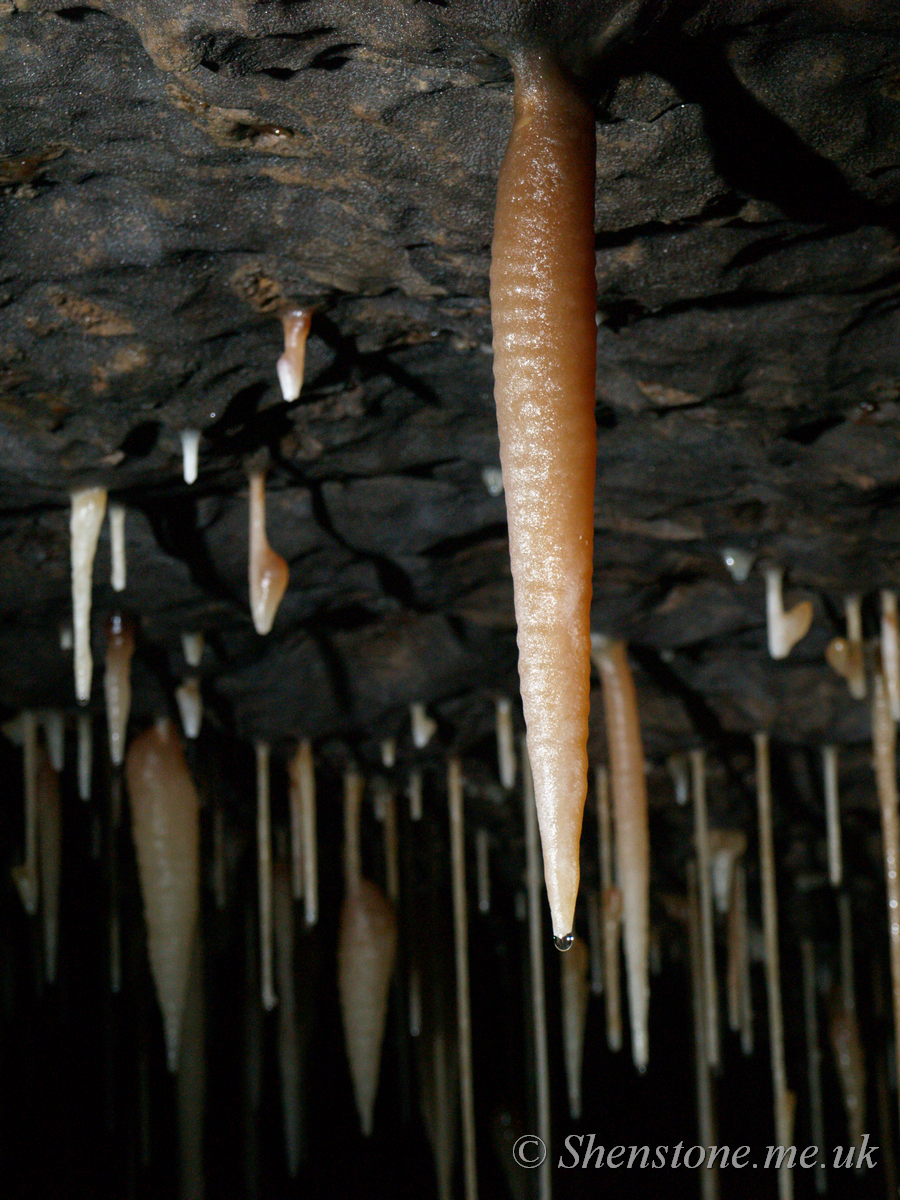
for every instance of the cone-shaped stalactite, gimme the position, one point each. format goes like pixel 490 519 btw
pixel 165 817
pixel 367 946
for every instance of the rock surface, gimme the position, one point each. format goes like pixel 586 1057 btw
pixel 170 177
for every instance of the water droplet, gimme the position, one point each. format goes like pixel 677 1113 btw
pixel 564 943
pixel 738 563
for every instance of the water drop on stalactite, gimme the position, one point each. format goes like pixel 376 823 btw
pixel 738 563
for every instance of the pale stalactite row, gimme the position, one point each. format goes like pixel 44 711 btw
pixel 267 570
pixel 543 280
pixel 165 821
pixel 88 509
pixel 631 825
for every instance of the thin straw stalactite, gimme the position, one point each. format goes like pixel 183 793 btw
pixel 832 814
pixel 783 1105
pixel 611 912
pixel 461 941
pixel 631 825
pixel 707 929
pixel 884 736
pixel 264 870
pixel 813 1060
pixel 706 1121
pixel 536 954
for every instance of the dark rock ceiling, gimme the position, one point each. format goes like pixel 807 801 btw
pixel 172 173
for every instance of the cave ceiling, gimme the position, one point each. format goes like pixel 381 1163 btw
pixel 173 174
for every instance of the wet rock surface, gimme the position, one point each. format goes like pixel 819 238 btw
pixel 173 173
pixel 169 179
